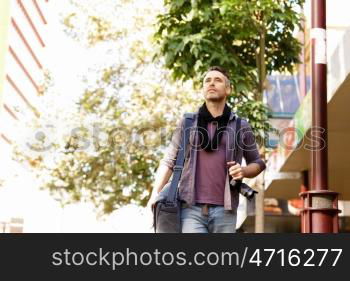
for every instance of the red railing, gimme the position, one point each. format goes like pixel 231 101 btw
pixel 19 32
pixel 25 12
pixel 14 55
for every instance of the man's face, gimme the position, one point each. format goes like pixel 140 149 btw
pixel 215 86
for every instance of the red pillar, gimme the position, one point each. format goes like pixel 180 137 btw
pixel 320 213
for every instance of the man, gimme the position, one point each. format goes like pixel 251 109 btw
pixel 209 202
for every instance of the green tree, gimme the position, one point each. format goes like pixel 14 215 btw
pixel 250 38
pixel 116 133
pixel 110 143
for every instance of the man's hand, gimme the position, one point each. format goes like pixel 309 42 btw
pixel 151 201
pixel 235 170
pixel 162 177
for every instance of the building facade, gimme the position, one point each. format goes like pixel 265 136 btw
pixel 288 171
pixel 24 25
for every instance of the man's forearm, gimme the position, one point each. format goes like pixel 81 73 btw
pixel 163 175
pixel 251 170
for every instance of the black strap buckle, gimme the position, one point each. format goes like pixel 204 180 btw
pixel 178 167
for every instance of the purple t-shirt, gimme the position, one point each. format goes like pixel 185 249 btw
pixel 211 172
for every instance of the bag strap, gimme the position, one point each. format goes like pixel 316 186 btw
pixel 180 159
pixel 237 145
pixel 238 136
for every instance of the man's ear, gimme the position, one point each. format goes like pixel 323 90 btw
pixel 229 90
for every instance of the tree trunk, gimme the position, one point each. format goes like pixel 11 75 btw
pixel 259 211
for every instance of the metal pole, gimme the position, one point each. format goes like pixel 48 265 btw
pixel 319 94
pixel 320 205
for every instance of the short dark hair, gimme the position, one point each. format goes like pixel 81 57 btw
pixel 220 69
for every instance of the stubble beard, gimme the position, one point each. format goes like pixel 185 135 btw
pixel 214 99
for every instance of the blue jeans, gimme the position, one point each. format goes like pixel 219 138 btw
pixel 217 221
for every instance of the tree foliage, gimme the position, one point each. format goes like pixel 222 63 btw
pixel 123 119
pixel 250 38
pixel 110 142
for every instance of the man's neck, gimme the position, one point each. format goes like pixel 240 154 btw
pixel 215 108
